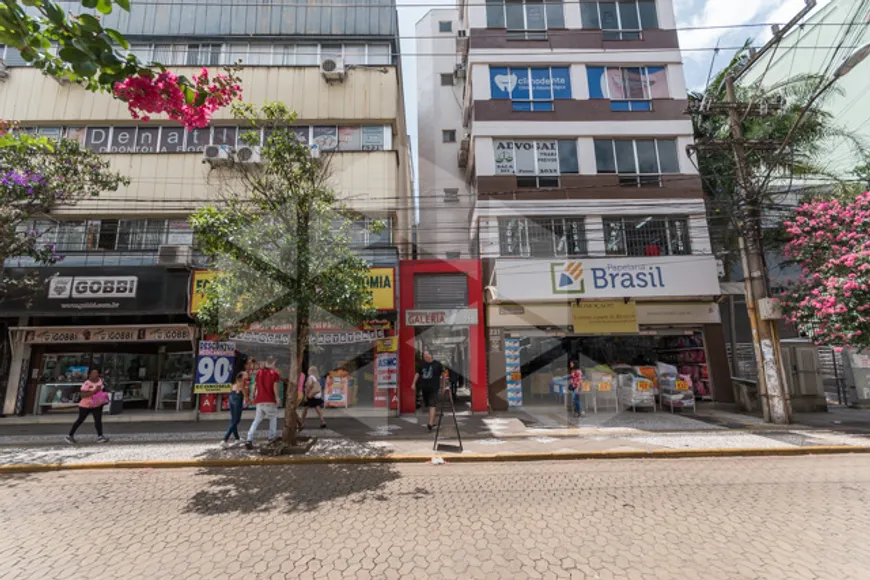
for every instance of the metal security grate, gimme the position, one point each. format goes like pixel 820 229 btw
pixel 646 236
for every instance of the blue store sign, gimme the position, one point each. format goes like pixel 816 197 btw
pixel 530 84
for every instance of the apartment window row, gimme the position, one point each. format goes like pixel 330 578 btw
pixel 537 162
pixel 530 19
pixel 628 88
pixel 530 88
pixel 369 231
pixel 123 235
pixel 536 237
pixel 646 236
pixel 150 139
pixel 620 20
pixel 638 162
pixel 558 237
pixel 255 54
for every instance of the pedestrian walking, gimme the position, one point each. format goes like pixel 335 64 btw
pixel 313 397
pixel 575 378
pixel 238 401
pixel 429 377
pixel 266 402
pixel 93 397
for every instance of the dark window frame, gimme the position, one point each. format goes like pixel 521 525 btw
pixel 641 235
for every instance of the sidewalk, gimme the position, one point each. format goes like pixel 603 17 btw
pixel 525 435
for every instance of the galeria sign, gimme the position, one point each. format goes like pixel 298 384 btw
pixel 548 280
pixel 457 317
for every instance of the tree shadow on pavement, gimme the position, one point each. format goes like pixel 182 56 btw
pixel 292 488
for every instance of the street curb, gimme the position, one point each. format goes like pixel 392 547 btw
pixel 425 458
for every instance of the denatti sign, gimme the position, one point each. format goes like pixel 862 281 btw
pixel 664 276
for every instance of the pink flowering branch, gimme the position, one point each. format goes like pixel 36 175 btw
pixel 192 104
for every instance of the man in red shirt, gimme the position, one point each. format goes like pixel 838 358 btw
pixel 266 401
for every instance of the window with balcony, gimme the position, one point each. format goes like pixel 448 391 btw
pixel 525 19
pixel 620 20
pixel 628 88
pixel 536 163
pixel 646 236
pixel 260 54
pixel 542 237
pixel 638 162
pixel 530 89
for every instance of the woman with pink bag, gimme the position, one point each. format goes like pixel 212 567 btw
pixel 93 397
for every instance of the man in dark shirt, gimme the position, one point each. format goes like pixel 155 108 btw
pixel 429 377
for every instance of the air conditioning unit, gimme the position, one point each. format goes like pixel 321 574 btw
pixel 459 71
pixel 167 255
pixel 461 33
pixel 332 69
pixel 246 154
pixel 216 154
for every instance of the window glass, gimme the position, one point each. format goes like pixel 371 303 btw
pixel 604 160
pixel 445 26
pixel 143 52
pixel 589 15
pixel 237 52
pixel 495 13
pixel 547 154
pixel 448 136
pixel 668 156
pixel 575 235
pixel 609 19
pixel 646 156
pixel 225 136
pixel 286 55
pixel 306 55
pixel 330 51
pixel 625 157
pixel 504 157
pixel 634 83
pixel 555 14
pixel 679 236
pixel 170 54
pixel 515 15
pixel 628 16
pixel 349 138
pixel 326 138
pixel 614 242
pixel 446 80
pixel 535 19
pixel 524 152
pixel 260 55
pixel 512 233
pixel 373 138
pixel 568 157
pixel 379 54
pixel 354 54
pixel 648 16
pixel 657 77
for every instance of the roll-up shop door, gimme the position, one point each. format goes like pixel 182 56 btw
pixel 440 291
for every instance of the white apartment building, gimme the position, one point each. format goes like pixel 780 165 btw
pixel 572 144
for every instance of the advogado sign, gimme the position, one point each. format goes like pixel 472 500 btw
pixel 566 279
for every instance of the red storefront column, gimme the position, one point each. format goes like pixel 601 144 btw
pixel 476 333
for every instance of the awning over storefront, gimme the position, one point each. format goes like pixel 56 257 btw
pixel 560 315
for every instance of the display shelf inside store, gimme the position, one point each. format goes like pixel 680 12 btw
pixel 59 405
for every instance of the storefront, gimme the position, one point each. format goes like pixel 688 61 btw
pixel 644 318
pixel 442 311
pixel 360 364
pixel 130 323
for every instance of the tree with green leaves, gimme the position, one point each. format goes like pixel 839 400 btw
pixel 79 49
pixel 280 240
pixel 38 176
pixel 773 170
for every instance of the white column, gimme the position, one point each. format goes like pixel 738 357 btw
pixel 481 89
pixel 477 15
pixel 579 82
pixel 484 156
pixel 699 235
pixel 687 165
pixel 586 155
pixel 595 236
pixel 489 243
pixel 676 81
pixel 572 15
pixel 667 19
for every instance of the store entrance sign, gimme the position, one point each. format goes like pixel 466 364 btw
pixel 65 287
pixel 382 284
pixel 72 334
pixel 199 284
pixel 610 317
pixel 661 276
pixel 457 317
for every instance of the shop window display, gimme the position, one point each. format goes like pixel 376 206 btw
pixel 176 382
pixel 61 379
pixel 628 371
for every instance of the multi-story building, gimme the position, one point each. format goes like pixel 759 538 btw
pixel 587 211
pixel 337 67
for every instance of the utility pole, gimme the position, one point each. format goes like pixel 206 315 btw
pixel 765 335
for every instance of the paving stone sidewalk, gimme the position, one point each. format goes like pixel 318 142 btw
pixel 688 519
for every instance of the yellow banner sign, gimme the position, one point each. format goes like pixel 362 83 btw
pixel 382 283
pixel 389 344
pixel 201 280
pixel 611 317
pixel 210 389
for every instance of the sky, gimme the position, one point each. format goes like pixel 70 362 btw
pixel 697 45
